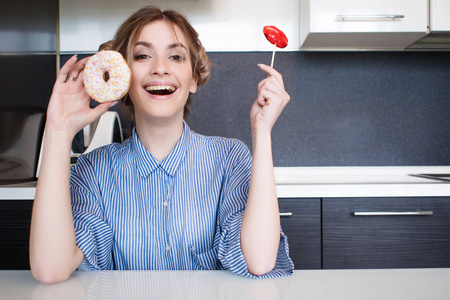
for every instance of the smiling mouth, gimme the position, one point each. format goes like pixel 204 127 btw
pixel 161 90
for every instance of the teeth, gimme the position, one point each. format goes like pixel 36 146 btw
pixel 160 87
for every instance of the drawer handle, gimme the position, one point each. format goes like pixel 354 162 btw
pixel 369 17
pixel 286 214
pixel 393 213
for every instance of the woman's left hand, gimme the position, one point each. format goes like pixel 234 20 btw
pixel 270 102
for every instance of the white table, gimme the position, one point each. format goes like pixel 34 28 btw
pixel 304 284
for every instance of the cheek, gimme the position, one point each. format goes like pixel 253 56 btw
pixel 187 77
pixel 134 75
pixel 137 70
pixel 133 86
pixel 135 80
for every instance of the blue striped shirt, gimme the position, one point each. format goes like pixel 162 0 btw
pixel 132 212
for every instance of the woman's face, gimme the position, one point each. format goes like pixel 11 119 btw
pixel 161 73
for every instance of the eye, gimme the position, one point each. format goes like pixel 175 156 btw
pixel 177 57
pixel 141 56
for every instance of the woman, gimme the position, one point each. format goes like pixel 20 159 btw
pixel 167 198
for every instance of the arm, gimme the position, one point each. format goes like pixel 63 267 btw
pixel 53 252
pixel 260 231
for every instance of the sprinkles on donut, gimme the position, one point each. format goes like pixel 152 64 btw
pixel 107 76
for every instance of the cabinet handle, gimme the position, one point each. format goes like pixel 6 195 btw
pixel 370 17
pixel 393 213
pixel 286 214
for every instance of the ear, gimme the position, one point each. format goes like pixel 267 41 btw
pixel 193 87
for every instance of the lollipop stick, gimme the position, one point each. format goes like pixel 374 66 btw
pixel 273 55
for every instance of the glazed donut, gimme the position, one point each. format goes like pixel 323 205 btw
pixel 107 76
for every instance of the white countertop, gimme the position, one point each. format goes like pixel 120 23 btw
pixel 210 285
pixel 323 182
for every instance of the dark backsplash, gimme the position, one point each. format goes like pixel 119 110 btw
pixel 346 109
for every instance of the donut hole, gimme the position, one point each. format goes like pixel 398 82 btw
pixel 106 76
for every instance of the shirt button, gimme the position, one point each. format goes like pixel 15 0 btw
pixel 167 247
pixel 165 203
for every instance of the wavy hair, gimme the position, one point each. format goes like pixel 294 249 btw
pixel 129 31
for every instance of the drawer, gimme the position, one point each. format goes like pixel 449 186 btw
pixel 15 218
pixel 303 231
pixel 386 240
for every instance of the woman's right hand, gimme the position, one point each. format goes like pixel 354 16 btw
pixel 68 110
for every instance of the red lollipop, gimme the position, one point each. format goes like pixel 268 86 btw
pixel 276 37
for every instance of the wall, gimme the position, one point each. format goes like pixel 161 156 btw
pixel 347 108
pixel 230 25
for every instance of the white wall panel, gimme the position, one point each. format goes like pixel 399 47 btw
pixel 223 25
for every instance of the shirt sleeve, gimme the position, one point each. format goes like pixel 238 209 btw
pixel 231 211
pixel 92 233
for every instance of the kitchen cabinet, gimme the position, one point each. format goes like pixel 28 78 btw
pixel 322 233
pixel 15 217
pixel 439 12
pixel 300 220
pixel 363 24
pixel 439 27
pixel 28 27
pixel 385 240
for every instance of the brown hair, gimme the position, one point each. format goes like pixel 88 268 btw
pixel 128 34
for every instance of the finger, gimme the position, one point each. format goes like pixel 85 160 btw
pixel 272 72
pixel 269 70
pixel 270 81
pixel 62 75
pixel 75 70
pixel 266 97
pixel 80 76
pixel 272 86
pixel 79 66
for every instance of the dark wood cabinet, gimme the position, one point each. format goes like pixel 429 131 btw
pixel 384 239
pixel 303 231
pixel 322 233
pixel 15 217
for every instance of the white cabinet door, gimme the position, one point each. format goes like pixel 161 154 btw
pixel 439 15
pixel 368 15
pixel 366 24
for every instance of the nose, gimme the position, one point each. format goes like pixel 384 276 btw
pixel 159 66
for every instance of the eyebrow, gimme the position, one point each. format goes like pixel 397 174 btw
pixel 150 45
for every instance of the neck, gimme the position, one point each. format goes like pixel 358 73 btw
pixel 159 138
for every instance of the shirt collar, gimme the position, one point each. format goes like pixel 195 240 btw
pixel 147 163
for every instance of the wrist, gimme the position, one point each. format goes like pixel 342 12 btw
pixel 262 143
pixel 261 135
pixel 58 135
